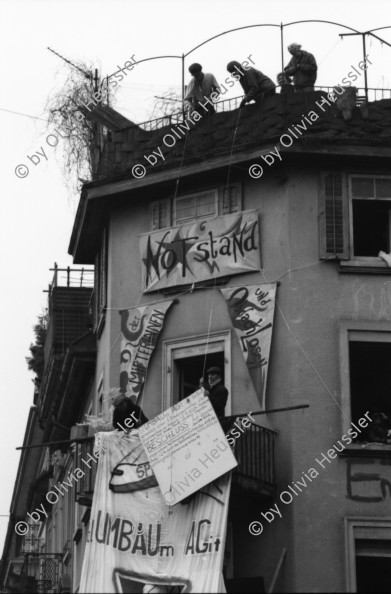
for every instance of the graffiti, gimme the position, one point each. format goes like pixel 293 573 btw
pixel 368 480
pixel 192 253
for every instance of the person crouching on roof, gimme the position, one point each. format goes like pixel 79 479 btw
pixel 255 84
pixel 201 86
pixel 302 67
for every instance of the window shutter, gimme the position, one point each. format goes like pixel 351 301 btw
pixel 160 214
pixel 103 271
pixel 333 217
pixel 231 199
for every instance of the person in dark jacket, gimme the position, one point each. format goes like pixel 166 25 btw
pixel 302 67
pixel 255 84
pixel 215 389
pixel 126 414
pixel 285 83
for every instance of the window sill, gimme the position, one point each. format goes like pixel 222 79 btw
pixel 364 266
pixel 366 450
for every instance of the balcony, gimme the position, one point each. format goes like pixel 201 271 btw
pixel 254 475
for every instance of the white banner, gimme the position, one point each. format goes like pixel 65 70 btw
pixel 251 309
pixel 186 447
pixel 199 251
pixel 140 329
pixel 135 541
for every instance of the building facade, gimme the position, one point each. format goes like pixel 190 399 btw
pixel 322 204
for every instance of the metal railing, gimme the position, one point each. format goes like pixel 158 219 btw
pixel 254 451
pixel 72 277
pixel 226 105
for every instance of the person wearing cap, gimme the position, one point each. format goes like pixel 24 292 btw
pixel 302 67
pixel 215 389
pixel 201 85
pixel 255 84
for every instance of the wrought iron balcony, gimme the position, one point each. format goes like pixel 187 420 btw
pixel 254 475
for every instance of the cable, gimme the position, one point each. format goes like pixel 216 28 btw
pixel 23 114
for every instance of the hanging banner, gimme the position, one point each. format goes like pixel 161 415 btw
pixel 136 542
pixel 251 309
pixel 140 329
pixel 200 251
pixel 186 447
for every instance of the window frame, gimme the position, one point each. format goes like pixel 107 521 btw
pixel 354 526
pixel 371 261
pixel 182 348
pixel 177 223
pixel 101 285
pixel 374 331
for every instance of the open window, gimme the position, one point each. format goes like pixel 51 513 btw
pixel 186 360
pixel 371 215
pixel 368 551
pixel 355 218
pixel 366 379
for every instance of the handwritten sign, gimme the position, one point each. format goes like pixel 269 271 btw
pixel 251 309
pixel 140 329
pixel 199 251
pixel 186 447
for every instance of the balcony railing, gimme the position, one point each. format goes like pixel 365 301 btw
pixel 176 118
pixel 254 451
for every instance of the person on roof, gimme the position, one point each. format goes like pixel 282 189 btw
pixel 255 84
pixel 302 67
pixel 201 86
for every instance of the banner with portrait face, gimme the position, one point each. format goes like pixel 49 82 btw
pixel 251 309
pixel 140 329
pixel 136 542
pixel 194 252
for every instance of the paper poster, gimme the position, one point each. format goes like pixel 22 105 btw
pixel 186 447
pixel 136 542
pixel 251 309
pixel 140 329
pixel 199 251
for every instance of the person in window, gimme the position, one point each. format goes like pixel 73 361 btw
pixel 379 430
pixel 302 67
pixel 215 390
pixel 201 86
pixel 255 84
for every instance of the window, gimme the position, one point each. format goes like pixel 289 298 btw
pixel 100 284
pixel 186 360
pixel 368 554
pixel 371 215
pixel 355 218
pixel 366 379
pixel 160 214
pixel 191 207
pixel 195 206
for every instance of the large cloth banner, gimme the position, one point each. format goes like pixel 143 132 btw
pixel 200 251
pixel 140 329
pixel 135 541
pixel 251 309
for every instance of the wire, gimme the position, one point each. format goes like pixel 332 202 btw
pixel 23 114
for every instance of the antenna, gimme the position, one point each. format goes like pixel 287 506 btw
pixel 86 74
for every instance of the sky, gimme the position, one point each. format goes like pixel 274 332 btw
pixel 37 211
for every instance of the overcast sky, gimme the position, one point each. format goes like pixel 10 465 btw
pixel 37 212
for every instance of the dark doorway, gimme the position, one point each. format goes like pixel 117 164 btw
pixel 191 369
